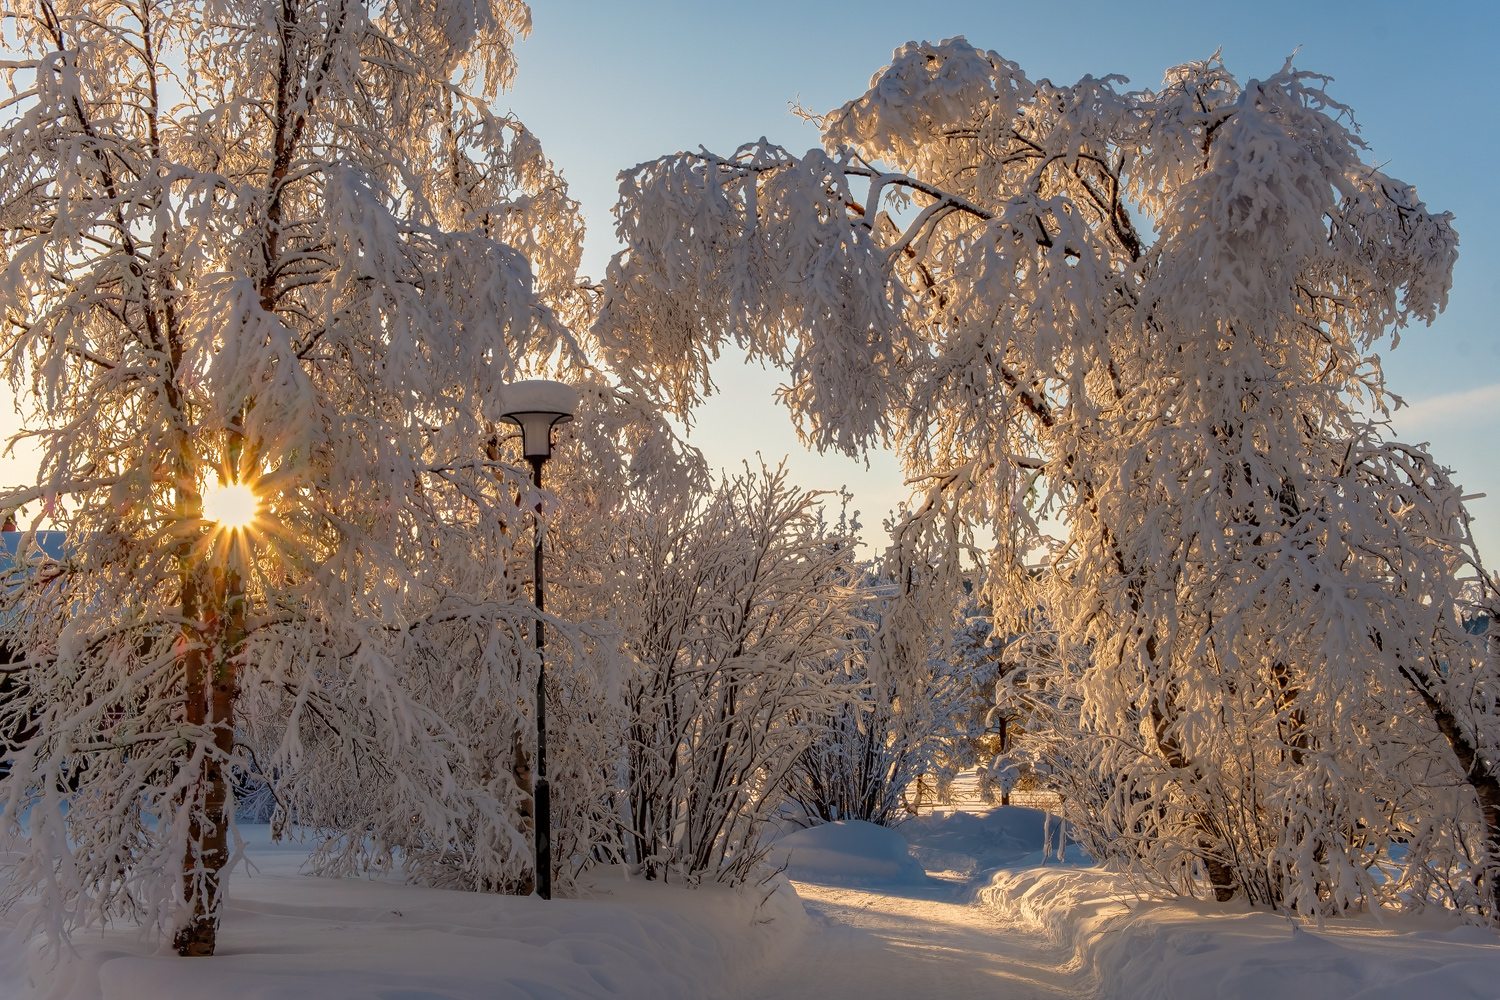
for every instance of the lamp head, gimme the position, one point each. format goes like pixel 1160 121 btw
pixel 536 406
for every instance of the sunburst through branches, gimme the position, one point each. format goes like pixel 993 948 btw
pixel 231 506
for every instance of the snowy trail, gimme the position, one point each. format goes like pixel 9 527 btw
pixel 925 941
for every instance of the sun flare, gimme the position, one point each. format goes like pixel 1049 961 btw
pixel 231 506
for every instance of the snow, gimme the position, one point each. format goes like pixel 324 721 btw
pixel 861 919
pixel 848 852
pixel 1187 950
pixel 964 843
pixel 913 943
pixel 994 921
pixel 288 935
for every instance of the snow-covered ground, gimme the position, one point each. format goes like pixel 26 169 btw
pixel 288 936
pixel 956 904
pixel 1123 946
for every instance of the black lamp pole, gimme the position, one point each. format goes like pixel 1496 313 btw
pixel 542 794
pixel 536 406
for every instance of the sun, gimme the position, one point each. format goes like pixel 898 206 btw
pixel 231 506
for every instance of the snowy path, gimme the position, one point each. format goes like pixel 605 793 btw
pixel 918 942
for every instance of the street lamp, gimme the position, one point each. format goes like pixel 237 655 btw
pixel 536 406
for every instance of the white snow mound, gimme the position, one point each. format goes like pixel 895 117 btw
pixel 848 852
pixel 290 937
pixel 1133 946
pixel 970 842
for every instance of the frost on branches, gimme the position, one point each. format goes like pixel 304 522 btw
pixel 1149 316
pixel 284 245
pixel 914 717
pixel 733 605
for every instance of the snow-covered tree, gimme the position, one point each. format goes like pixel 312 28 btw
pixel 284 247
pixel 1151 317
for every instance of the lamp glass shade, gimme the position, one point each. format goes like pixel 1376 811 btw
pixel 536 406
pixel 536 431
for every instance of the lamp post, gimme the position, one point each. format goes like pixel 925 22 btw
pixel 536 406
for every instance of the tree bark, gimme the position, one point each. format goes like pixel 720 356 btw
pixel 1221 876
pixel 1477 772
pixel 211 698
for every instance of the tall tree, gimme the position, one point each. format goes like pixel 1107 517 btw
pixel 1149 315
pixel 287 247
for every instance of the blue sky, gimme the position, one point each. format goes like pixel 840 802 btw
pixel 607 85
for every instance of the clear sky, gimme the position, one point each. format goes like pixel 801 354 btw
pixel 606 85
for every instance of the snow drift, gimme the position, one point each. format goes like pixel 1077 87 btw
pixel 849 852
pixel 1134 947
pixel 295 936
pixel 967 843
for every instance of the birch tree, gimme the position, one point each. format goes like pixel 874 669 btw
pixel 284 248
pixel 1151 316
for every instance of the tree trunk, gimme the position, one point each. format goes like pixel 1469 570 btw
pixel 1221 877
pixel 1479 775
pixel 211 696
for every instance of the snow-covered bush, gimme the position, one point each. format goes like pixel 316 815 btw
pixel 413 753
pixel 732 604
pixel 865 751
pixel 921 704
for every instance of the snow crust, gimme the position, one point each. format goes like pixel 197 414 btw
pixel 848 852
pixel 1130 947
pixel 288 935
pixel 863 920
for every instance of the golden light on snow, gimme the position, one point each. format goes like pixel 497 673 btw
pixel 230 505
